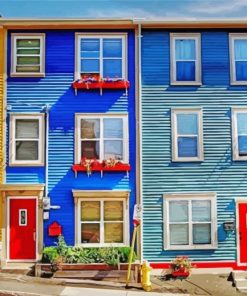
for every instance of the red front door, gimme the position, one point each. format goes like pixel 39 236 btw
pixel 22 228
pixel 242 208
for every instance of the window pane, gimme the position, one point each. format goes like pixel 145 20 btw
pixel 187 124
pixel 112 48
pixel 241 71
pixel 28 43
pixel 26 150
pixel 90 128
pixel 90 48
pixel 90 149
pixel 29 60
pixel 202 234
pixel 201 210
pixel 240 48
pixel 113 233
pixel 27 129
pixel 90 211
pixel 113 211
pixel 242 123
pixel 90 233
pixel 242 145
pixel 185 71
pixel 178 211
pixel 187 147
pixel 112 68
pixel 28 69
pixel 90 66
pixel 113 149
pixel 179 234
pixel 113 128
pixel 28 51
pixel 185 49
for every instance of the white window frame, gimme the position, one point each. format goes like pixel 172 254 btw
pixel 197 38
pixel 174 113
pixel 125 222
pixel 232 38
pixel 14 38
pixel 25 211
pixel 12 139
pixel 122 36
pixel 79 116
pixel 189 197
pixel 235 150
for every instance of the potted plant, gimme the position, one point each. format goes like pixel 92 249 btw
pixel 181 266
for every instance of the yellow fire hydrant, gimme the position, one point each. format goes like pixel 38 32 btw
pixel 145 276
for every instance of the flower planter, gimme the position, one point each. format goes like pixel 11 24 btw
pixel 180 273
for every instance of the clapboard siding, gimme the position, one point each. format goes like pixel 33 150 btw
pixel 32 94
pixel 217 173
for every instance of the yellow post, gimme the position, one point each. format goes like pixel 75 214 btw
pixel 145 276
pixel 131 254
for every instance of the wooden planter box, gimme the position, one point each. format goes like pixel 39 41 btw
pixel 42 268
pixel 180 273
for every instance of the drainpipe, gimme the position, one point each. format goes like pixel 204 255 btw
pixel 140 130
pixel 47 110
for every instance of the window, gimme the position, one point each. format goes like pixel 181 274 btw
pixel 187 135
pixel 102 221
pixel 103 56
pixel 26 140
pixel 239 133
pixel 190 221
pixel 185 59
pixel 28 55
pixel 101 137
pixel 238 55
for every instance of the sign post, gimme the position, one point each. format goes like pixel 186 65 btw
pixel 136 222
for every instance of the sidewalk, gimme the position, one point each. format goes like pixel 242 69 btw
pixel 21 285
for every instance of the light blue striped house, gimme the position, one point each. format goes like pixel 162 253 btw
pixel 194 142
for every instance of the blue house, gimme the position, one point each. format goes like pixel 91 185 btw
pixel 194 145
pixel 70 135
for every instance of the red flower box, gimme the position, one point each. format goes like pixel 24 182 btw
pixel 122 84
pixel 119 167
pixel 180 273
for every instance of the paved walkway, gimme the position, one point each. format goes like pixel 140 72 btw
pixel 11 284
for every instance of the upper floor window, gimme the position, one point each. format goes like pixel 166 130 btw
pixel 190 221
pixel 238 54
pixel 26 146
pixel 239 133
pixel 187 134
pixel 185 59
pixel 101 136
pixel 101 55
pixel 28 55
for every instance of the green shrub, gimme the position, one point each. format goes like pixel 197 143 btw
pixel 68 254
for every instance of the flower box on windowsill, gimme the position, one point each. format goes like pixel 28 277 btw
pixel 101 167
pixel 88 84
pixel 180 273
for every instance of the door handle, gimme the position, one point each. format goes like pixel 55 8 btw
pixel 34 236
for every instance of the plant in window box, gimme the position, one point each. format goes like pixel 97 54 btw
pixel 181 266
pixel 113 164
pixel 87 163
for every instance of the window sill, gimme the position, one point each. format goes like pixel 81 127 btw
pixel 239 83
pixel 26 164
pixel 187 160
pixel 27 74
pixel 199 247
pixel 184 83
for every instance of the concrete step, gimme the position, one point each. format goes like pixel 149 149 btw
pixel 18 268
pixel 240 283
pixel 242 290
pixel 239 274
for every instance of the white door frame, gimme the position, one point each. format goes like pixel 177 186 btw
pixel 8 229
pixel 240 201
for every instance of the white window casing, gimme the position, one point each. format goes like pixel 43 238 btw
pixel 189 197
pixel 173 75
pixel 101 117
pixel 31 36
pixel 13 139
pixel 235 133
pixel 200 150
pixel 232 38
pixel 101 37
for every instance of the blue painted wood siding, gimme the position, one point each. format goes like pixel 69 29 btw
pixel 30 94
pixel 217 173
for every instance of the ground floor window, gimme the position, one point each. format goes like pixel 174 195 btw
pixel 103 221
pixel 190 221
